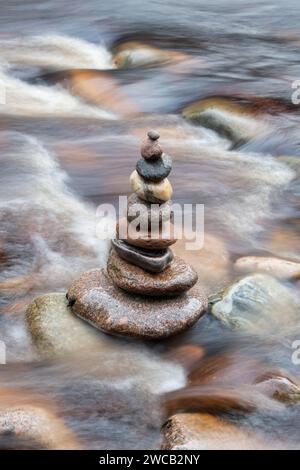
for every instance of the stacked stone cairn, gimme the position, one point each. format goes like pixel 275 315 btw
pixel 145 291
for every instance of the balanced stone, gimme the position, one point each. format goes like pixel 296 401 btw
pixel 155 170
pixel 148 214
pixel 153 261
pixel 95 299
pixel 152 240
pixel 153 135
pixel 151 150
pixel 178 277
pixel 150 191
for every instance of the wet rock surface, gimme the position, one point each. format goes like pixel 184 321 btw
pixel 256 303
pixel 277 267
pixel 150 261
pixel 32 427
pixel 95 299
pixel 156 239
pixel 202 431
pixel 176 278
pixel 56 332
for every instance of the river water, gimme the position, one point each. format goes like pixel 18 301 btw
pixel 70 130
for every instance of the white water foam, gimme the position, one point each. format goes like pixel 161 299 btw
pixel 54 52
pixel 24 99
pixel 52 233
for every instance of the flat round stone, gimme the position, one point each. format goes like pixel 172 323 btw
pixel 177 278
pixel 95 299
pixel 153 135
pixel 150 191
pixel 153 261
pixel 148 213
pixel 155 170
pixel 156 239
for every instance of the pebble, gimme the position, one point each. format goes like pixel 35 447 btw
pixel 153 240
pixel 177 278
pixel 152 261
pixel 149 214
pixel 95 299
pixel 153 135
pixel 151 149
pixel 155 170
pixel 151 192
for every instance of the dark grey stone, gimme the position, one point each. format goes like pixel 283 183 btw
pixel 154 170
pixel 153 261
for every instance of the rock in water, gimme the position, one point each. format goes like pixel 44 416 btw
pixel 95 299
pixel 202 431
pixel 277 267
pixel 136 54
pixel 151 192
pixel 132 297
pixel 31 427
pixel 256 303
pixel 280 387
pixel 152 261
pixel 178 277
pixel 55 331
pixel 237 122
pixel 154 171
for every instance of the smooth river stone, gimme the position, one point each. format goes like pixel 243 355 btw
pixel 151 150
pixel 153 240
pixel 153 261
pixel 95 299
pixel 177 278
pixel 151 192
pixel 154 171
pixel 149 214
pixel 56 332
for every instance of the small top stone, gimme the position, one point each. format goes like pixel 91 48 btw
pixel 150 149
pixel 153 135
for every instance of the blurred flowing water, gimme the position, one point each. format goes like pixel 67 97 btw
pixel 70 131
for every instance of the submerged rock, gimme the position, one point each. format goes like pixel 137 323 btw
pixel 280 387
pixel 175 279
pixel 55 331
pixel 257 303
pixel 95 299
pixel 277 267
pixel 202 431
pixel 136 54
pixel 237 122
pixel 31 427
